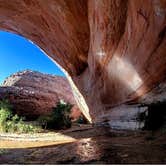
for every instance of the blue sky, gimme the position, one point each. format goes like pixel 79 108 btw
pixel 17 54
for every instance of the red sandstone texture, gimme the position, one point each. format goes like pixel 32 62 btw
pixel 114 50
pixel 32 93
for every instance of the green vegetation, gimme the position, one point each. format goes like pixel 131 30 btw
pixel 81 120
pixel 13 123
pixel 59 118
pixel 3 151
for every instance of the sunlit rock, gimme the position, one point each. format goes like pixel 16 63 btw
pixel 113 50
pixel 33 93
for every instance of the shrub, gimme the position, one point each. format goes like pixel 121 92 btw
pixel 59 118
pixel 13 123
pixel 82 120
pixel 44 120
pixel 5 114
pixel 4 104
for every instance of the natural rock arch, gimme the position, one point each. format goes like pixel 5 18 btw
pixel 114 50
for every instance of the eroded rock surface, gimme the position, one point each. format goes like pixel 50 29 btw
pixel 114 50
pixel 33 93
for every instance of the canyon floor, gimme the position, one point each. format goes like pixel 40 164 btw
pixel 87 145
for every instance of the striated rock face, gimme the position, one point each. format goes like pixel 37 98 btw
pixel 114 50
pixel 33 93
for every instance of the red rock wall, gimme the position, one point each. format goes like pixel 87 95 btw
pixel 32 94
pixel 114 50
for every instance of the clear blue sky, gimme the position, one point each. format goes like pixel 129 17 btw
pixel 17 54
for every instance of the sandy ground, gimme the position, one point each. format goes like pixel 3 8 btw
pixel 88 145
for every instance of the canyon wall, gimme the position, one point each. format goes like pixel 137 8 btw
pixel 32 93
pixel 113 50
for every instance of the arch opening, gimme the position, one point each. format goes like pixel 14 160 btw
pixel 86 37
pixel 57 70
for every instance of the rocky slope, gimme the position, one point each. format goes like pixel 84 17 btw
pixel 33 93
pixel 114 50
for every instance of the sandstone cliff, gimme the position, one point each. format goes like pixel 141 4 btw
pixel 33 93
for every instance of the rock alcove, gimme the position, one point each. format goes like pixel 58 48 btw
pixel 112 51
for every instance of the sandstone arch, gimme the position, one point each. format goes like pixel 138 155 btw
pixel 114 50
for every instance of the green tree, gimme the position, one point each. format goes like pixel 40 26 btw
pixel 59 118
pixel 13 123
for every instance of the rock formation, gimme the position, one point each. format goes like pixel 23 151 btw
pixel 113 50
pixel 33 93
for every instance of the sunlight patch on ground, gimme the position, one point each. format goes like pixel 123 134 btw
pixel 10 141
pixel 22 144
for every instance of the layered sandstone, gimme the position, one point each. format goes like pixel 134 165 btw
pixel 113 50
pixel 33 93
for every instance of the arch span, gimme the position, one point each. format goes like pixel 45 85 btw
pixel 110 48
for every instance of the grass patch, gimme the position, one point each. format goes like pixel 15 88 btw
pixel 10 123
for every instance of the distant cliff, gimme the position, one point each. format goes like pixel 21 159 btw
pixel 33 93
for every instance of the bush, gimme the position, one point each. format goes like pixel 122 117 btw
pixel 44 120
pixel 13 123
pixel 59 118
pixel 81 120
pixel 5 114
pixel 4 104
